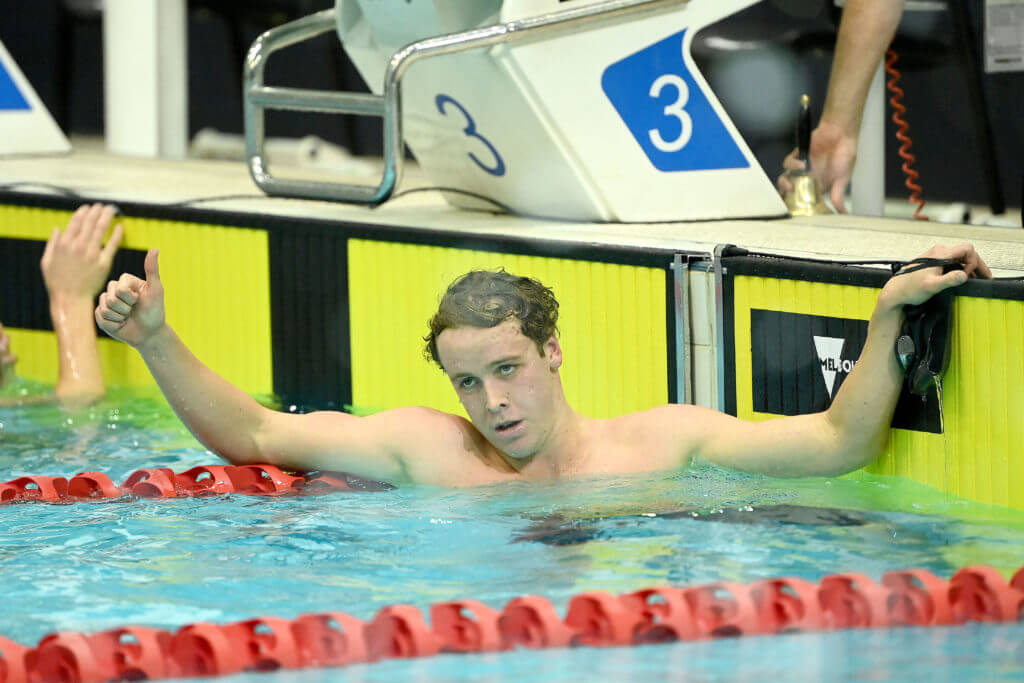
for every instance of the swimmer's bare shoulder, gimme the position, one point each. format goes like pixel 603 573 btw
pixel 400 446
pixel 662 438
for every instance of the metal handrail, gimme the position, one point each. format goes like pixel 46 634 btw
pixel 257 97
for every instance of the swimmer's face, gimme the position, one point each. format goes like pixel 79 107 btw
pixel 508 388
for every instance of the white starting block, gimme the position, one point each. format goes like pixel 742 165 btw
pixel 26 127
pixel 579 109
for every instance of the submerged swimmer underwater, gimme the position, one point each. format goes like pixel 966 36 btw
pixel 495 337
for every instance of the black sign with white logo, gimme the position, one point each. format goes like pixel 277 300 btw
pixel 798 363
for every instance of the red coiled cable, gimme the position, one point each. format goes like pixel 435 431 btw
pixel 901 132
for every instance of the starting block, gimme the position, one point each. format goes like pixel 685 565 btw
pixel 586 110
pixel 26 127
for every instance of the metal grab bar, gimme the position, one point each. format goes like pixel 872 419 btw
pixel 257 97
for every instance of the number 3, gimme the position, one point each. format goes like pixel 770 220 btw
pixel 498 168
pixel 676 109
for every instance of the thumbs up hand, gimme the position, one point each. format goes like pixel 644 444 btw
pixel 132 309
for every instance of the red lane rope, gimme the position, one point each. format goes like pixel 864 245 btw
pixel 902 128
pixel 162 482
pixel 911 597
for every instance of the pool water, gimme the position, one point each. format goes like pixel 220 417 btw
pixel 94 566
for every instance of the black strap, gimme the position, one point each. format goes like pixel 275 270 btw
pixel 926 262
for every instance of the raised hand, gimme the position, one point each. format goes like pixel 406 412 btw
pixel 132 310
pixel 833 154
pixel 920 285
pixel 75 263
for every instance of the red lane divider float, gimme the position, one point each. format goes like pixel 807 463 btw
pixel 162 482
pixel 595 618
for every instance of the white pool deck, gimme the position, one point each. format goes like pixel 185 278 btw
pixel 98 175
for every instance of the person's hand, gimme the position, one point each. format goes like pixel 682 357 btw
pixel 833 153
pixel 7 357
pixel 920 285
pixel 75 263
pixel 132 310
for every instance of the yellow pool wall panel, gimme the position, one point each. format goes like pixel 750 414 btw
pixel 612 322
pixel 217 297
pixel 981 454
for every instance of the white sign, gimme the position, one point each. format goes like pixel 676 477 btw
pixel 1004 35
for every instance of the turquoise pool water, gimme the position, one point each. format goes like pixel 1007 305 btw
pixel 94 566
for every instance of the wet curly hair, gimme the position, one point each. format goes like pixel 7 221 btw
pixel 487 298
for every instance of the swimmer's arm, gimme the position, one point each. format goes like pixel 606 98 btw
pixel 403 445
pixel 80 377
pixel 846 437
pixel 237 428
pixel 224 418
pixel 234 426
pixel 853 431
pixel 74 265
pixel 398 446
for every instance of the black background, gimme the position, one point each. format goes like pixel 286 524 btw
pixel 790 382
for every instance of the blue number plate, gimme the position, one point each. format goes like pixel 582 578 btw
pixel 666 111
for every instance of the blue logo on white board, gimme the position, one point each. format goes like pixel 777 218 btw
pixel 666 111
pixel 10 96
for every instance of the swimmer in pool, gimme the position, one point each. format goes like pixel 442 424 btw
pixel 75 265
pixel 494 336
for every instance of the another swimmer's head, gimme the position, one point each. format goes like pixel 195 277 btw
pixel 486 298
pixel 494 335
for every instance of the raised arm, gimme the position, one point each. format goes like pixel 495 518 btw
pixel 75 264
pixel 233 425
pixel 855 428
pixel 866 30
pixel 8 358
